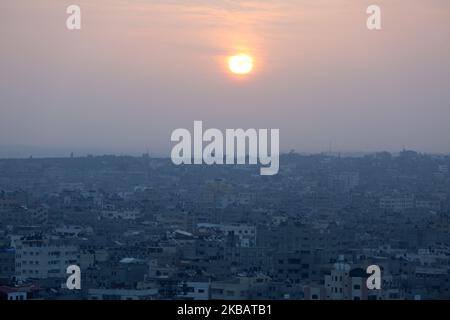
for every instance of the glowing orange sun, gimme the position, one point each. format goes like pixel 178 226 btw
pixel 240 64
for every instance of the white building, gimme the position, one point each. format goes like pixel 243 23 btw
pixel 38 257
pixel 344 283
pixel 397 204
pixel 245 234
pixel 336 284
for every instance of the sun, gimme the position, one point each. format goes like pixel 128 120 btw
pixel 240 64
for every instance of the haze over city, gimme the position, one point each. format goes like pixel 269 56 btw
pixel 139 69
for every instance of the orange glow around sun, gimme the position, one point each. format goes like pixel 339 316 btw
pixel 240 64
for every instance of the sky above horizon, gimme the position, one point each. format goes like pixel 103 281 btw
pixel 139 69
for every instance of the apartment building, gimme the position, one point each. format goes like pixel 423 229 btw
pixel 38 257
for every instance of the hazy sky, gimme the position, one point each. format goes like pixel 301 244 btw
pixel 139 69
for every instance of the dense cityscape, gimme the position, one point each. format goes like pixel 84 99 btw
pixel 143 228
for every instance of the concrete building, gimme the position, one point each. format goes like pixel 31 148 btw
pixel 397 203
pixel 11 293
pixel 38 257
